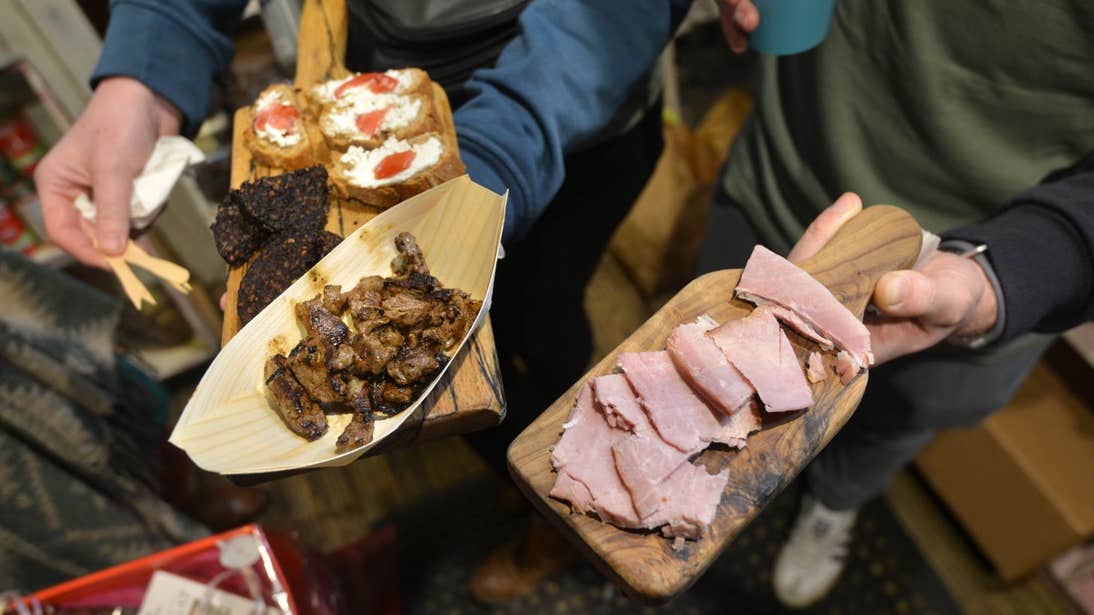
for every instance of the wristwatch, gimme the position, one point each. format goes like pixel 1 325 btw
pixel 977 252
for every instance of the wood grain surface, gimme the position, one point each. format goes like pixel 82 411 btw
pixel 470 397
pixel 878 240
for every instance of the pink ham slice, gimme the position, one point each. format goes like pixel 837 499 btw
pixel 573 491
pixel 616 400
pixel 770 278
pixel 795 322
pixel 684 500
pixel 757 346
pixel 680 417
pixel 846 366
pixel 815 370
pixel 735 428
pixel 705 368
pixel 583 455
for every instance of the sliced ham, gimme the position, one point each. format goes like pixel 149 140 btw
pixel 685 500
pixel 583 455
pixel 815 368
pixel 770 278
pixel 846 366
pixel 736 427
pixel 759 349
pixel 705 368
pixel 795 322
pixel 643 463
pixel 680 417
pixel 616 400
pixel 573 491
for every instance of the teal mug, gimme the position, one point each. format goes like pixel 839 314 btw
pixel 791 26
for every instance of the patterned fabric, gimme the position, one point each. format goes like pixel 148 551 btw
pixel 79 436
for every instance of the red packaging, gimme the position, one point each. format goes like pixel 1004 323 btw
pixel 12 232
pixel 20 145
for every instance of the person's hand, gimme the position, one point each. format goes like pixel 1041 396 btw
pixel 101 155
pixel 948 296
pixel 739 18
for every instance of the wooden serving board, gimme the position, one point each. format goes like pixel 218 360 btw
pixel 880 239
pixel 470 396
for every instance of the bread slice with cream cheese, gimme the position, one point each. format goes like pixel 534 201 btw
pixel 396 170
pixel 277 135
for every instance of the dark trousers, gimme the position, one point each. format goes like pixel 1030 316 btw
pixel 906 400
pixel 544 339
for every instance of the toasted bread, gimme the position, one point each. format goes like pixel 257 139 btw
pixel 347 170
pixel 277 146
pixel 408 81
pixel 400 116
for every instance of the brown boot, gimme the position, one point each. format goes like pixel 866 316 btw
pixel 518 566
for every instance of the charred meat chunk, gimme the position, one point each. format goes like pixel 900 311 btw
pixel 388 397
pixel 413 365
pixel 358 432
pixel 410 258
pixel 236 233
pixel 311 363
pixel 407 309
pixel 319 322
pixel 295 202
pixel 374 349
pixel 333 299
pixel 293 404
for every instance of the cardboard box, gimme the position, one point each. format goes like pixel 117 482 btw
pixel 1022 482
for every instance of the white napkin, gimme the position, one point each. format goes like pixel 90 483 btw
pixel 170 157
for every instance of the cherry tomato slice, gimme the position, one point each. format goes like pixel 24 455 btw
pixel 394 164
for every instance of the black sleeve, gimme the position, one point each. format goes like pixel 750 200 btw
pixel 1042 250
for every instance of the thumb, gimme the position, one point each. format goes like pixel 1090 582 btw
pixel 904 294
pixel 111 189
pixel 939 300
pixel 825 226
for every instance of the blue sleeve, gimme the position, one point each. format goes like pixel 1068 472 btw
pixel 557 84
pixel 175 47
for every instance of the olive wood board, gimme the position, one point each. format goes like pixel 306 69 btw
pixel 643 563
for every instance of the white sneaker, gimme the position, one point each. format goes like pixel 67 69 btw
pixel 813 558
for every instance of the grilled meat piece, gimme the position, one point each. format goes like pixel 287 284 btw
pixel 359 430
pixel 420 282
pixel 292 402
pixel 413 365
pixel 410 258
pixel 312 363
pixel 295 202
pixel 333 299
pixel 357 433
pixel 375 348
pixel 407 309
pixel 321 323
pixel 365 302
pixel 237 234
pixel 388 397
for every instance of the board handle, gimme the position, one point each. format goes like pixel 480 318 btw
pixel 880 239
pixel 321 43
